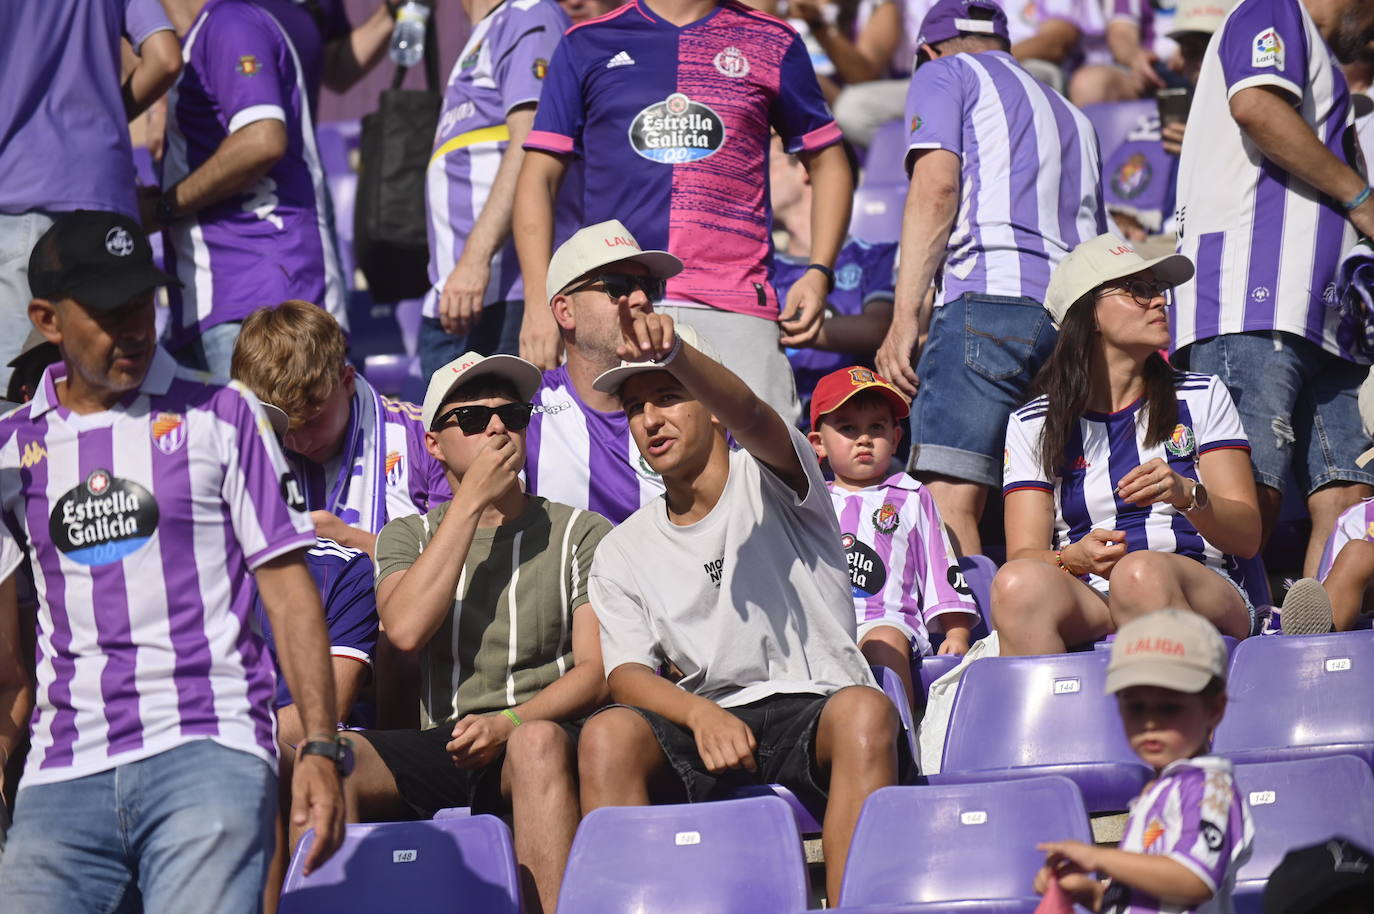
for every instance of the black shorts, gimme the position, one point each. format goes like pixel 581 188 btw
pixel 784 727
pixel 426 777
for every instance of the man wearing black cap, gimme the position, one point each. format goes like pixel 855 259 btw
pixel 145 496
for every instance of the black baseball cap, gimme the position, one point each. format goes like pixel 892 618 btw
pixel 1310 878
pixel 103 260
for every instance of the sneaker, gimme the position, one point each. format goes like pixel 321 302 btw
pixel 1307 609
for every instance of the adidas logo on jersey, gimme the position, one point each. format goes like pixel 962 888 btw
pixel 623 59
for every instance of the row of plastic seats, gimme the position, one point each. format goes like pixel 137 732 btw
pixel 915 849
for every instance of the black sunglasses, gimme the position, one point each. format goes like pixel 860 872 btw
pixel 1142 290
pixel 620 285
pixel 475 419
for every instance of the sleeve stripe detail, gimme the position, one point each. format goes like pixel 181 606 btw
pixel 352 653
pixel 1195 868
pixel 262 556
pixel 549 142
pixel 1265 79
pixel 1232 444
pixel 821 137
pixel 254 113
pixel 1027 486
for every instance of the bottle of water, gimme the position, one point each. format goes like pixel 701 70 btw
pixel 408 36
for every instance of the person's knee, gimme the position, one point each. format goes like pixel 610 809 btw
pixel 1018 593
pixel 1096 84
pixel 865 720
pixel 538 752
pixel 1139 573
pixel 605 747
pixel 1330 501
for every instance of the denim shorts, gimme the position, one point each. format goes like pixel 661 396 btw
pixel 978 361
pixel 497 333
pixel 1299 405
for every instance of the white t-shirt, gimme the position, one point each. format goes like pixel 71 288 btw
pixel 1106 447
pixel 750 601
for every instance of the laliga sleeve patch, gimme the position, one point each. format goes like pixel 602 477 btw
pixel 103 519
pixel 1267 50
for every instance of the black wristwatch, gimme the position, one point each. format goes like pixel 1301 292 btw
pixel 339 750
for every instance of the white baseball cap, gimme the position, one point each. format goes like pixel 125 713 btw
pixel 1099 260
pixel 600 244
pixel 1169 648
pixel 1200 16
pixel 608 382
pixel 524 375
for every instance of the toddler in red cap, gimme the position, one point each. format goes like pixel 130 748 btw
pixel 1189 832
pixel 902 570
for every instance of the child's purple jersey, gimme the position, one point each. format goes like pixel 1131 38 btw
pixel 271 242
pixel 1194 815
pixel 674 126
pixel 902 567
pixel 143 525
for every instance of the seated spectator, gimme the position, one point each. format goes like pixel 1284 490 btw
pixel 859 309
pixel 1107 515
pixel 1189 832
pixel 736 579
pixel 1334 877
pixel 579 450
pixel 902 568
pixel 359 458
pixel 490 590
pixel 1099 48
pixel 862 59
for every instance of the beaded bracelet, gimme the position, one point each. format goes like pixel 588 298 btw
pixel 1059 560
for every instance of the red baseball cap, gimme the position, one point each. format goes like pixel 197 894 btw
pixel 833 390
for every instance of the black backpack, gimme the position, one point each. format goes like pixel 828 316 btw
pixel 390 234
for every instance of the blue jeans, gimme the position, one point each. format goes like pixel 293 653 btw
pixel 1299 405
pixel 213 350
pixel 18 234
pixel 189 829
pixel 497 333
pixel 978 361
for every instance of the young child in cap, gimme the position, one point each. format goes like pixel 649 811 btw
pixel 903 574
pixel 1189 832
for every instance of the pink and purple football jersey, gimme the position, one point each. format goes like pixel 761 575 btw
pixel 1030 181
pixel 1266 245
pixel 143 525
pixel 673 124
pixel 269 243
pixel 902 567
pixel 1194 815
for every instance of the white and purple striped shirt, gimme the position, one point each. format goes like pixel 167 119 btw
pixel 11 557
pixel 901 564
pixel 1356 524
pixel 1266 245
pixel 143 524
pixel 583 457
pixel 1107 446
pixel 1194 815
pixel 1030 179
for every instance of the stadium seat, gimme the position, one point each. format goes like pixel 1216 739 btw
pixel 1114 121
pixel 729 857
pixel 926 670
pixel 1017 717
pixel 877 213
pixel 885 163
pixel 978 571
pixel 926 847
pixel 453 812
pixel 1296 804
pixel 891 685
pixel 456 864
pixel 1299 697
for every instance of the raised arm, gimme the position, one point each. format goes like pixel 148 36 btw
pixel 348 59
pixel 158 66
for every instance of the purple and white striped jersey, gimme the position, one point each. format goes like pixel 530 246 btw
pixel 143 524
pixel 1266 245
pixel 272 242
pixel 1107 446
pixel 1356 524
pixel 1030 179
pixel 500 68
pixel 583 457
pixel 11 556
pixel 1194 815
pixel 902 568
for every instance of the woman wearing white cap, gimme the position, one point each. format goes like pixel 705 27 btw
pixel 1128 484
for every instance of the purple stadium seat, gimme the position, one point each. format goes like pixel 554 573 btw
pixel 1114 121
pixel 461 864
pixel 1300 697
pixel 927 847
pixel 926 670
pixel 891 684
pixel 395 376
pixel 885 162
pixel 729 857
pixel 1018 717
pixel 877 213
pixel 453 812
pixel 1300 803
pixel 808 820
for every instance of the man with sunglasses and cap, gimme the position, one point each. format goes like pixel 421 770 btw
pixel 579 450
pixel 491 590
pixel 148 499
pixel 1004 181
